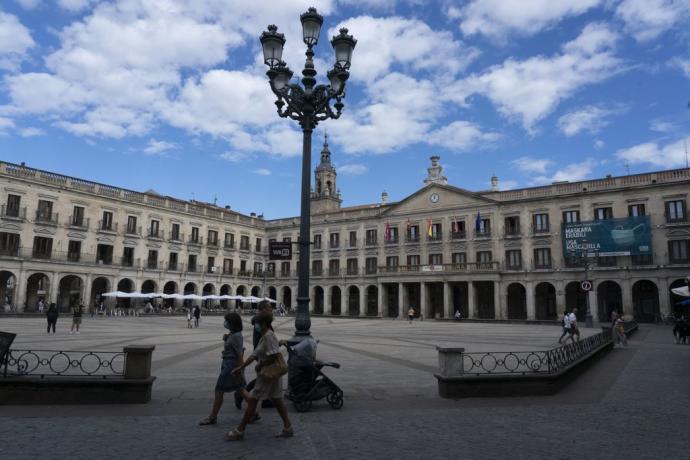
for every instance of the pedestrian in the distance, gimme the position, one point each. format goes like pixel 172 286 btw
pixel 267 353
pixel 410 315
pixel 189 318
pixel 52 317
pixel 563 323
pixel 41 305
pixel 197 315
pixel 77 310
pixel 618 331
pixel 233 356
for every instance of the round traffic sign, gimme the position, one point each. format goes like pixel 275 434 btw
pixel 586 285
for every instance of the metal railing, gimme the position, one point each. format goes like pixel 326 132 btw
pixel 107 226
pixel 76 222
pixel 64 363
pixel 47 217
pixel 531 362
pixel 466 267
pixel 12 212
pixel 461 235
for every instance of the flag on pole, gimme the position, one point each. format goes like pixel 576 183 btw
pixel 454 225
pixel 429 230
pixel 478 222
pixel 388 232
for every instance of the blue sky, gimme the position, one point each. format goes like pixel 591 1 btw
pixel 171 94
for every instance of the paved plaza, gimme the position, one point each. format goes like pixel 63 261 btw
pixel 631 403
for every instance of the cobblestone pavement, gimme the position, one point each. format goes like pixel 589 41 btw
pixel 632 403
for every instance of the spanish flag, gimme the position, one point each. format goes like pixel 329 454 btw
pixel 430 232
pixel 388 232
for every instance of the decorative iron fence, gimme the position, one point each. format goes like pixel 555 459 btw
pixel 43 363
pixel 531 362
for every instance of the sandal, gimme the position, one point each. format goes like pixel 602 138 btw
pixel 255 418
pixel 208 421
pixel 235 435
pixel 286 433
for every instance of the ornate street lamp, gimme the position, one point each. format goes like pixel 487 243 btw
pixel 308 104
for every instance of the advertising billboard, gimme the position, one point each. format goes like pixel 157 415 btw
pixel 629 236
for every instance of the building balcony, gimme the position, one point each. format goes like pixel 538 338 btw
pixel 443 268
pixel 512 233
pixel 352 244
pixel 435 237
pixel 133 231
pixel 155 234
pixel 9 252
pixel 352 271
pixel 412 239
pixel 198 241
pixel 334 245
pixel 371 242
pixel 230 246
pixel 12 213
pixel 541 230
pixel 176 238
pixel 244 247
pixel 317 272
pixel 542 265
pixel 484 233
pixel 676 221
pixel 78 223
pixel 244 274
pixel 47 218
pixel 370 270
pixel 213 244
pixel 228 271
pixel 460 235
pixel 107 227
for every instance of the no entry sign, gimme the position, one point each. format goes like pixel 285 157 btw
pixel 586 285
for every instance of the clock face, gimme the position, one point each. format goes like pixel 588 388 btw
pixel 434 198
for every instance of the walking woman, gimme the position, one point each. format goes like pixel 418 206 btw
pixel 233 356
pixel 52 316
pixel 265 353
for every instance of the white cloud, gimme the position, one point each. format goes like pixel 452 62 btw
pixel 234 157
pixel 31 132
pixel 532 165
pixel 15 41
pixel 5 125
pixel 682 64
pixel 498 18
pixel 572 172
pixel 665 156
pixel 599 144
pixel 462 135
pixel 662 126
pixel 75 5
pixel 529 90
pixel 591 118
pixel 262 172
pixel 354 169
pixel 28 4
pixel 155 147
pixel 647 19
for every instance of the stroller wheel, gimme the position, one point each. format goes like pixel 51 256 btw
pixel 335 399
pixel 302 405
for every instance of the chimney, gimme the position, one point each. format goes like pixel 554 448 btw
pixel 494 183
pixel 384 197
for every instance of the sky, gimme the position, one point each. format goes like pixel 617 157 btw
pixel 171 95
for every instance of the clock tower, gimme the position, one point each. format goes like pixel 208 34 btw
pixel 325 196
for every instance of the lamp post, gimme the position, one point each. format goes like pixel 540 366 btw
pixel 585 261
pixel 308 104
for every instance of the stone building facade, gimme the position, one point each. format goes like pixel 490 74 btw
pixel 488 254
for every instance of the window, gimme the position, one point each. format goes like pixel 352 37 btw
pixel 285 269
pixel 603 213
pixel 371 237
pixel 172 261
pixel 675 211
pixel 414 261
pixel 483 257
pixel 78 216
pixel 636 210
pixel 155 227
pixel 128 257
pixel 458 230
pixel 334 267
pixel 436 232
pixel 287 239
pixel 334 241
pixel 13 202
pixel 642 259
pixel 258 245
pixel 571 217
pixel 211 265
pixel 131 225
pixel 152 261
pixel 540 223
pixel 542 258
pixel 42 247
pixel 394 236
pixel 392 261
pixel 370 265
pixel 271 268
pixel 175 232
pixel 229 240
pixel 107 221
pixel 514 259
pixel 459 258
pixel 352 266
pixel 678 251
pixel 413 233
pixel 195 235
pixel 243 267
pixel 435 259
pixel 317 241
pixel 227 266
pixel 45 211
pixel 484 227
pixel 317 267
pixel 74 251
pixel 104 254
pixel 353 239
pixel 212 238
pixel 191 263
pixel 9 243
pixel 244 242
pixel 512 225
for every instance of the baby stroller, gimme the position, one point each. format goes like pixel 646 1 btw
pixel 307 382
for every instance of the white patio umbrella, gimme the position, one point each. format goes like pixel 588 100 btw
pixel 141 295
pixel 192 297
pixel 114 294
pixel 212 297
pixel 682 291
pixel 231 297
pixel 268 299
pixel 173 296
pixel 252 299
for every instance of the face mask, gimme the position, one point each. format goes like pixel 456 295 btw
pixel 226 325
pixel 257 328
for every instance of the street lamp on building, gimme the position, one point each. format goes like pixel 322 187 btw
pixel 308 104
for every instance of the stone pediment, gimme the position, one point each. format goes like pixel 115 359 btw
pixel 437 197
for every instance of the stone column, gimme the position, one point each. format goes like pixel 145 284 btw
pixel 447 304
pixel 560 298
pixel 327 310
pixel 86 301
pixel 471 304
pixel 380 300
pixel 626 297
pixel 423 301
pixel 593 304
pixel 529 293
pixel 402 301
pixel 19 291
pixel 344 301
pixel 363 304
pixel 498 306
pixel 54 287
pixel 663 286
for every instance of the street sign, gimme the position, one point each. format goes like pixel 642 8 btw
pixel 586 285
pixel 279 250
